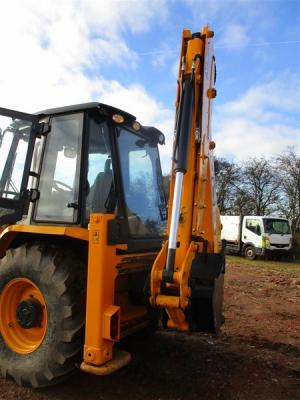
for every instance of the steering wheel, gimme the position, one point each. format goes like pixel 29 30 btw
pixel 57 184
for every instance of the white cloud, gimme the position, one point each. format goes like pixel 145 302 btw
pixel 206 9
pixel 234 36
pixel 53 53
pixel 261 122
pixel 281 94
pixel 164 55
pixel 47 47
pixel 73 31
pixel 135 100
pixel 233 20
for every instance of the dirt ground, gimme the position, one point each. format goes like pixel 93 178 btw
pixel 257 355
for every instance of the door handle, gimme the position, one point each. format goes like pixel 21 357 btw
pixel 73 205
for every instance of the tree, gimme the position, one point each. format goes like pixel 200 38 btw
pixel 258 189
pixel 227 179
pixel 252 187
pixel 288 171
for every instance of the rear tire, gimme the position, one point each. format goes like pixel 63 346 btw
pixel 250 253
pixel 59 276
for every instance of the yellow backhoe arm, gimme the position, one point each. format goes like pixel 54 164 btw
pixel 187 276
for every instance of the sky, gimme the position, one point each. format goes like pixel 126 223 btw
pixel 126 52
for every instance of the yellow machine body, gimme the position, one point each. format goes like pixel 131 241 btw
pixel 109 313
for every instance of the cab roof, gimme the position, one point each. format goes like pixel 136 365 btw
pixel 103 109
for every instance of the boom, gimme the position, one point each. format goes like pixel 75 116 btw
pixel 187 276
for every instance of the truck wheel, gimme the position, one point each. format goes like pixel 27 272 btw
pixel 41 314
pixel 250 252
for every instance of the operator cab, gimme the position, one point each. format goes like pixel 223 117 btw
pixel 60 165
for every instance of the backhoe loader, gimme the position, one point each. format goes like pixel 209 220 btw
pixel 89 250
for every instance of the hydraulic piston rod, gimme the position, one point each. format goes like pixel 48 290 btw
pixel 181 156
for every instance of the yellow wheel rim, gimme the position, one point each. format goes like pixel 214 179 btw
pixel 18 296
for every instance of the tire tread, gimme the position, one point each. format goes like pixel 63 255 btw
pixel 63 273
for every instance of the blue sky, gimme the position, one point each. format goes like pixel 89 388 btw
pixel 125 53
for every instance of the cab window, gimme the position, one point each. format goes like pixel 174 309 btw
pixel 100 196
pixel 14 139
pixel 59 180
pixel 254 226
pixel 142 183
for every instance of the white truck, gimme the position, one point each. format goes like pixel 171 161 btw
pixel 255 235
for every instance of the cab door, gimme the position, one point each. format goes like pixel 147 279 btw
pixel 252 232
pixel 17 137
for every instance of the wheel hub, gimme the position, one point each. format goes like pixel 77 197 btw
pixel 29 313
pixel 23 315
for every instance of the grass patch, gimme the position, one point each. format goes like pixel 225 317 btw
pixel 279 266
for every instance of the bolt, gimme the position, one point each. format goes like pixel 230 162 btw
pixel 90 355
pixel 211 93
pixel 212 145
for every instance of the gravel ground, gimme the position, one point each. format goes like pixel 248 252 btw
pixel 257 355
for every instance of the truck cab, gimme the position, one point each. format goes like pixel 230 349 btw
pixel 257 235
pixel 277 235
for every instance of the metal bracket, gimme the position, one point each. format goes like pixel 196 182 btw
pixel 34 195
pixel 41 128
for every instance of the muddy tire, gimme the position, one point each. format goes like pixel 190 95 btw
pixel 57 274
pixel 249 253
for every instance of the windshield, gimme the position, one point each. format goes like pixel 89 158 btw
pixel 143 186
pixel 276 226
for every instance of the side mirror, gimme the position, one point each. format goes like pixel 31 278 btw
pixel 258 230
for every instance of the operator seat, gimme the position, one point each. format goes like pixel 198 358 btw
pixel 100 189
